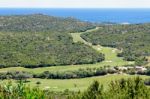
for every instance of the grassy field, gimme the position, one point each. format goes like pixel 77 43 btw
pixel 74 84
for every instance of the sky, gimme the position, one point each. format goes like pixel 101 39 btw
pixel 75 3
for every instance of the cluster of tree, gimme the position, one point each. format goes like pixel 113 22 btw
pixel 132 40
pixel 133 71
pixel 87 72
pixel 81 73
pixel 17 75
pixel 38 40
pixel 122 89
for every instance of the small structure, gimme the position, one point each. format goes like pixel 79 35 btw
pixel 122 68
pixel 140 68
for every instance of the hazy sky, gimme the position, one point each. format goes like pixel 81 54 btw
pixel 76 3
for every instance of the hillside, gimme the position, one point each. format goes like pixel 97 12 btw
pixel 40 40
pixel 132 40
pixel 40 23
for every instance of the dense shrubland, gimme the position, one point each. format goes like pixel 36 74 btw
pixel 38 40
pixel 132 40
pixel 41 23
pixel 134 88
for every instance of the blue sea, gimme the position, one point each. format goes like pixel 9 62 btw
pixel 131 16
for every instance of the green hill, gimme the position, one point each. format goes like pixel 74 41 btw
pixel 132 40
pixel 40 40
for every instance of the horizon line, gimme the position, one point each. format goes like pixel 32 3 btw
pixel 75 7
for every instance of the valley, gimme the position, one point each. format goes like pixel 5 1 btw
pixel 60 56
pixel 111 59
